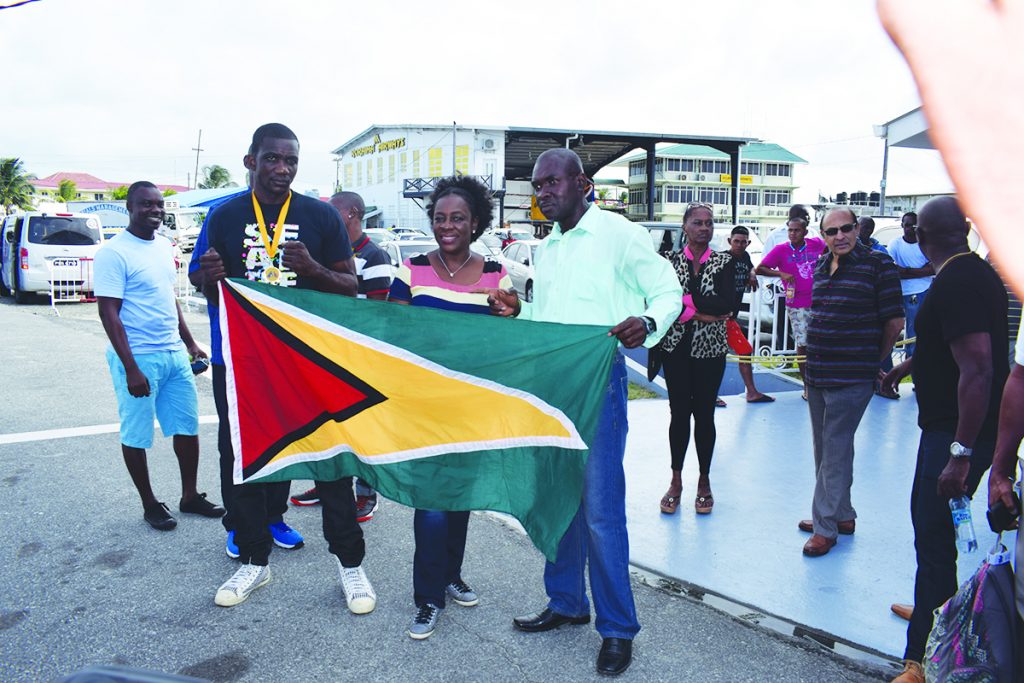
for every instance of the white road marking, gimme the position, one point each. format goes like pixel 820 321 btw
pixel 70 432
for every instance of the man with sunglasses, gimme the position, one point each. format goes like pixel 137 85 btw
pixel 856 316
pixel 794 262
pixel 916 274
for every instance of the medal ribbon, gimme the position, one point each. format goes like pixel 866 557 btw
pixel 271 246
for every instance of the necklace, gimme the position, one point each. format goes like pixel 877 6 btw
pixel 951 258
pixel 451 273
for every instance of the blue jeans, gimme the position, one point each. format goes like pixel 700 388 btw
pixel 440 547
pixel 911 303
pixel 598 531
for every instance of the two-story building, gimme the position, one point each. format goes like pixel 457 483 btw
pixel 694 173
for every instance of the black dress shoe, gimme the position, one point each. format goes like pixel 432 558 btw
pixel 547 620
pixel 615 656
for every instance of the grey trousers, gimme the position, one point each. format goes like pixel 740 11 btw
pixel 835 414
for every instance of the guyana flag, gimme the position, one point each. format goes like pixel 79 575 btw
pixel 436 409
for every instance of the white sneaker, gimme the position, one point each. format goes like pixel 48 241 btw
pixel 359 594
pixel 243 582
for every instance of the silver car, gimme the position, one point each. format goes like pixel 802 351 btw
pixel 518 259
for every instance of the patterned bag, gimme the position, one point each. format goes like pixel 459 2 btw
pixel 974 634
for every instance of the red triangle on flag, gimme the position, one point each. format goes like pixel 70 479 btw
pixel 285 390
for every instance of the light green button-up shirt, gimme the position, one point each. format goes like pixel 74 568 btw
pixel 600 273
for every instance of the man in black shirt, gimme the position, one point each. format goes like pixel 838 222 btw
pixel 283 238
pixel 959 366
pixel 739 240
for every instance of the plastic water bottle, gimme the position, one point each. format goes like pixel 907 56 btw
pixel 966 541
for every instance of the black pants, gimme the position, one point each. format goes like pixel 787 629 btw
pixel 692 389
pixel 277 493
pixel 934 537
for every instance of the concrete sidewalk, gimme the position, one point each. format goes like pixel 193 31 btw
pixel 88 582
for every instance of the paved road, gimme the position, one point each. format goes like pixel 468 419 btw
pixel 86 581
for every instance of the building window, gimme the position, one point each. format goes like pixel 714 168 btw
pixel 434 162
pixel 714 195
pixel 403 163
pixel 784 170
pixel 636 168
pixel 637 197
pixel 679 194
pixel 750 168
pixel 776 197
pixel 709 166
pixel 679 165
pixel 415 163
pixel 748 197
pixel 391 167
pixel 462 159
pixel 380 169
pixel 359 173
pixel 348 176
pixel 369 171
pixel 98 196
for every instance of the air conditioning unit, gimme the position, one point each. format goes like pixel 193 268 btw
pixel 701 177
pixel 682 176
pixel 488 144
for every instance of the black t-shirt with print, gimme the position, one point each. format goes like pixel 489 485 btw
pixel 966 297
pixel 233 232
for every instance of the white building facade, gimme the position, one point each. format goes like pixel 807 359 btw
pixel 387 164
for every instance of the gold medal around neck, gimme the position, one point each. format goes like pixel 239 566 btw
pixel 271 275
pixel 271 245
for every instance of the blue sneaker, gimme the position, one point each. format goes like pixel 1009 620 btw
pixel 231 549
pixel 285 536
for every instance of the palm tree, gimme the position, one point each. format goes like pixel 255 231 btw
pixel 215 176
pixel 15 188
pixel 67 190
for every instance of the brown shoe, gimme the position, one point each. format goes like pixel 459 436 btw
pixel 845 528
pixel 912 673
pixel 902 611
pixel 818 545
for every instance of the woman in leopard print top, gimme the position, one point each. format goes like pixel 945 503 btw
pixel 693 351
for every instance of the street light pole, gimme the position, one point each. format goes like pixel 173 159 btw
pixel 197 149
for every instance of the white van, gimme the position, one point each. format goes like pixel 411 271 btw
pixel 34 244
pixel 182 224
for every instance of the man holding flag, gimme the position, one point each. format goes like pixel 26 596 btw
pixel 595 268
pixel 278 237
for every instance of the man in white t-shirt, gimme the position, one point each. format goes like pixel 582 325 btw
pixel 916 274
pixel 149 362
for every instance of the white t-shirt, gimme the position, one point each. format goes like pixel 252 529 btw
pixel 141 273
pixel 907 255
pixel 776 237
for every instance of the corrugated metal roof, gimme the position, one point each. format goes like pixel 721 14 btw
pixel 753 151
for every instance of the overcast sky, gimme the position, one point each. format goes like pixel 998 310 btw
pixel 120 89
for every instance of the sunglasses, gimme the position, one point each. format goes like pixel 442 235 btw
pixel 832 232
pixel 700 205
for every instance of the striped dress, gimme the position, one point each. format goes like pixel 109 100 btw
pixel 418 284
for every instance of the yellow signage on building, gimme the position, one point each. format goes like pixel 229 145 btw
pixel 535 213
pixel 378 146
pixel 744 179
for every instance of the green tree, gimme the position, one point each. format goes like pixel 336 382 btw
pixel 15 188
pixel 169 191
pixel 215 176
pixel 120 192
pixel 67 190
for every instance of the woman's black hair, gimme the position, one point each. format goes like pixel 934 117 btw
pixel 473 192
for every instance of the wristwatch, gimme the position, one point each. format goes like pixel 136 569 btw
pixel 649 324
pixel 958 450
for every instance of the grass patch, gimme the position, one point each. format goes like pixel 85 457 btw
pixel 637 391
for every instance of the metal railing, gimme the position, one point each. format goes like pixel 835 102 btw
pixel 70 281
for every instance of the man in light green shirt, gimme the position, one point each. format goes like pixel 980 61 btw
pixel 596 268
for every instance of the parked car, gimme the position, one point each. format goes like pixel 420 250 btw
pixel 400 250
pixel 378 235
pixel 36 243
pixel 518 259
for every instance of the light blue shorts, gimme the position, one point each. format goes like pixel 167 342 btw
pixel 172 397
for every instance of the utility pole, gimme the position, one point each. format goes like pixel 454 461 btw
pixel 197 149
pixel 455 168
pixel 337 172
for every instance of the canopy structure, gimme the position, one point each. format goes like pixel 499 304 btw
pixel 909 130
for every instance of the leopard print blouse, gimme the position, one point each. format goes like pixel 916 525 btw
pixel 708 339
